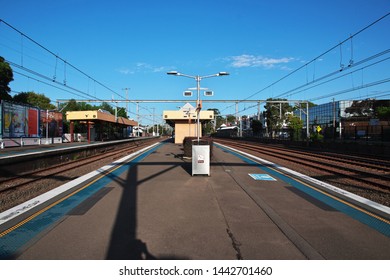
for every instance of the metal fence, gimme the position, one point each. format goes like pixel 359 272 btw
pixel 378 133
pixel 367 133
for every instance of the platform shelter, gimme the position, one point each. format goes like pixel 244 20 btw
pixel 100 125
pixel 184 121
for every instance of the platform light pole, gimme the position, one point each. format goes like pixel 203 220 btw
pixel 198 79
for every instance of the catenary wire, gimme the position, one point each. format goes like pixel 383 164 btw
pixel 314 59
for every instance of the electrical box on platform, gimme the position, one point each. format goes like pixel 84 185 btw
pixel 200 158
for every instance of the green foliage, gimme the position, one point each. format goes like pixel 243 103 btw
pixel 6 76
pixel 72 105
pixel 257 126
pixel 107 107
pixel 34 99
pixel 230 119
pixel 216 111
pixel 208 128
pixel 311 104
pixel 383 113
pixel 316 137
pixel 276 113
pixel 121 112
pixel 295 125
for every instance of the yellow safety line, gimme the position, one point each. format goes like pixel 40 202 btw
pixel 328 194
pixel 337 198
pixel 2 234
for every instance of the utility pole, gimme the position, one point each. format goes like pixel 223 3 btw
pixel 138 120
pixel 334 121
pixel 153 120
pixel 127 101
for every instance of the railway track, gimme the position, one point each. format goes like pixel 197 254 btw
pixel 16 190
pixel 368 177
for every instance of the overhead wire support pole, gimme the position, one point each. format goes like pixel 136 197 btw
pixel 127 100
pixel 198 101
pixel 307 123
pixel 138 119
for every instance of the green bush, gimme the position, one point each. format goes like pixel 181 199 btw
pixel 316 137
pixel 187 145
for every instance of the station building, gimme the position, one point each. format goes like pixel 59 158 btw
pixel 184 121
pixel 99 125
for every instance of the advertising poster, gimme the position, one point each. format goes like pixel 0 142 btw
pixel 1 120
pixel 14 123
pixel 51 123
pixel 33 122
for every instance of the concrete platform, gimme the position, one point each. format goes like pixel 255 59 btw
pixel 15 161
pixel 155 209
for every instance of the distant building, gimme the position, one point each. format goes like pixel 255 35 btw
pixel 349 119
pixel 185 121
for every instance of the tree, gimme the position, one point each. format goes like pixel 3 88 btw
pixel 121 112
pixel 257 126
pixel 295 125
pixel 383 113
pixel 361 108
pixel 71 105
pixel 6 76
pixel 276 113
pixel 216 111
pixel 231 119
pixel 34 99
pixel 298 106
pixel 382 109
pixel 218 119
pixel 107 107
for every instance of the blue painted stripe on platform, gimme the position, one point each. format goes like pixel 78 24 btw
pixel 262 177
pixel 371 221
pixel 16 239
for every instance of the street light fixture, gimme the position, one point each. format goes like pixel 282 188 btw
pixel 198 79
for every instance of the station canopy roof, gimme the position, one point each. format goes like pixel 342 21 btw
pixel 98 115
pixel 187 112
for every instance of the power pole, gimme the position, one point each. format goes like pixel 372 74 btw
pixel 127 101
pixel 138 120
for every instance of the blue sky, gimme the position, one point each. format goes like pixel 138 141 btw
pixel 132 44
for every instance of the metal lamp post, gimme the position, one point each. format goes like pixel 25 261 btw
pixel 198 79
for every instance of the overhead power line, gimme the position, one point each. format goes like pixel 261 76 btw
pixel 319 57
pixel 51 81
pixel 60 58
pixel 352 89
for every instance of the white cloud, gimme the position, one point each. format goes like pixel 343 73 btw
pixel 246 60
pixel 146 67
pixel 124 71
pixel 142 67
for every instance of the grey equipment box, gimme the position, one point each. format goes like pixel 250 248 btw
pixel 200 159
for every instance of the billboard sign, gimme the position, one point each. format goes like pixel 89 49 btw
pixel 32 125
pixel 14 122
pixel 51 123
pixel 1 119
pixel 18 121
